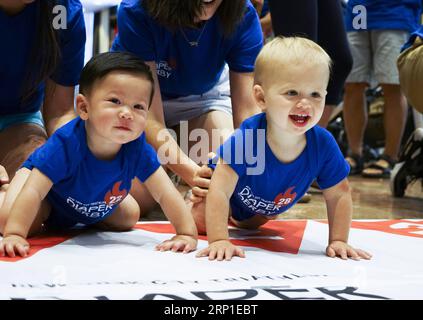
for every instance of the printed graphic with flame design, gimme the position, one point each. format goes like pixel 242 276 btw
pixel 115 196
pixel 282 200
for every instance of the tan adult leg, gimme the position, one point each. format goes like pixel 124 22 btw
pixel 17 143
pixel 215 127
pixel 355 115
pixel 395 116
pixel 326 116
pixel 13 190
pixel 123 218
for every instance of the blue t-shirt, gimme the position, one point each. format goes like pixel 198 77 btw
pixel 182 69
pixel 267 186
pixel 386 14
pixel 85 189
pixel 18 34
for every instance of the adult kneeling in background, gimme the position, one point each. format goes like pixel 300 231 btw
pixel 188 45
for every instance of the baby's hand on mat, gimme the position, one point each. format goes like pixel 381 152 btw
pixel 178 243
pixel 221 249
pixel 345 251
pixel 12 245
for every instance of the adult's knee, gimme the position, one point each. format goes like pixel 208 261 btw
pixel 35 140
pixel 29 145
pixel 15 157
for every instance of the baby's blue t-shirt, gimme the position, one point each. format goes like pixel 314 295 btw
pixel 18 34
pixel 267 186
pixel 385 14
pixel 183 69
pixel 85 189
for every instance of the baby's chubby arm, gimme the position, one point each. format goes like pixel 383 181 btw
pixel 175 209
pixel 339 209
pixel 222 185
pixel 23 213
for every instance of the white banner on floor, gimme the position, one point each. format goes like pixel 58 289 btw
pixel 284 260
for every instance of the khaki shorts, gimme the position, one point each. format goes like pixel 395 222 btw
pixel 190 107
pixel 375 53
pixel 410 66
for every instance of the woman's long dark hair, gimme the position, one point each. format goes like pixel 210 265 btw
pixel 176 14
pixel 45 51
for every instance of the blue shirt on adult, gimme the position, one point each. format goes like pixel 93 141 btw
pixel 18 33
pixel 267 186
pixel 183 69
pixel 85 189
pixel 386 14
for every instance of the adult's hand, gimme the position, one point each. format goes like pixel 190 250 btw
pixel 201 183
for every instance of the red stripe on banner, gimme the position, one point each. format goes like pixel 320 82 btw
pixel 399 227
pixel 277 236
pixel 42 242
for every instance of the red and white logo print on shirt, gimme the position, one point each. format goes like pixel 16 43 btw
pixel 114 196
pixel 282 200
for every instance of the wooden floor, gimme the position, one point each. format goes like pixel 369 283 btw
pixel 371 199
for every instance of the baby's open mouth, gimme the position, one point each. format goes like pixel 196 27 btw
pixel 299 120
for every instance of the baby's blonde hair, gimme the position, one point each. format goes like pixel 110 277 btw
pixel 283 52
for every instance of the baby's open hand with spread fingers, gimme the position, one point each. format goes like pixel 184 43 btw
pixel 12 245
pixel 344 251
pixel 182 243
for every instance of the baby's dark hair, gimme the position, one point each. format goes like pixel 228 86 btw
pixel 104 63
